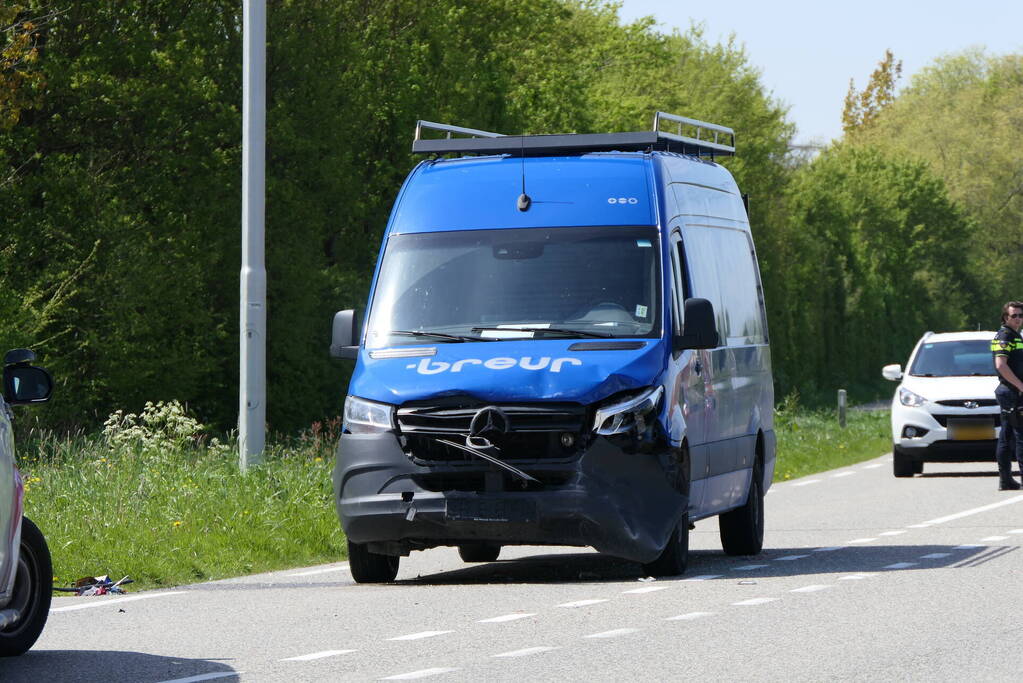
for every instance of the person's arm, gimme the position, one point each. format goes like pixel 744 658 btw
pixel 1002 366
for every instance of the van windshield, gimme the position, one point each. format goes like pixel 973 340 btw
pixel 537 283
pixel 971 357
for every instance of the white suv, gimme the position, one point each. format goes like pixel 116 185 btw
pixel 944 409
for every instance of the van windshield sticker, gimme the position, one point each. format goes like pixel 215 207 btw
pixel 433 367
pixel 644 243
pixel 640 311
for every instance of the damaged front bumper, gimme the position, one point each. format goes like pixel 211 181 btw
pixel 622 504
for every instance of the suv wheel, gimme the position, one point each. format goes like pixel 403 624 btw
pixel 902 464
pixel 370 567
pixel 483 552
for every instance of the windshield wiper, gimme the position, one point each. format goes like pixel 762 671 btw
pixel 439 335
pixel 544 330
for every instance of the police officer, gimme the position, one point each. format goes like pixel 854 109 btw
pixel 1007 347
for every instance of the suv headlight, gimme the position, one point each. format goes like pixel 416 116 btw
pixel 908 398
pixel 367 417
pixel 620 417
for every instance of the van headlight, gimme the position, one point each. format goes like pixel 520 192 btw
pixel 625 415
pixel 908 398
pixel 367 417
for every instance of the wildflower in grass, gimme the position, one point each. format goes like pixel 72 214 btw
pixel 177 522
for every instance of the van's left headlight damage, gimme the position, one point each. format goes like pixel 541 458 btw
pixel 367 417
pixel 627 415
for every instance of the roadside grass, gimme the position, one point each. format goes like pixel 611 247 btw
pixel 156 499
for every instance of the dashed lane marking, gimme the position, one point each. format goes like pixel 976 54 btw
pixel 870 467
pixel 934 556
pixel 615 633
pixel 789 558
pixel 810 589
pixel 583 603
pixel 116 601
pixel 993 538
pixel 902 565
pixel 702 577
pixel 861 540
pixel 842 474
pixel 1016 531
pixel 689 616
pixel 203 677
pixel 968 546
pixel 854 577
pixel 754 601
pixel 749 567
pixel 317 655
pixel 646 589
pixel 328 570
pixel 422 673
pixel 420 635
pixel 829 549
pixel 975 511
pixel 507 617
pixel 525 652
pixel 807 482
pixel 892 533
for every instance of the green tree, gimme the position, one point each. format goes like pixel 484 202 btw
pixel 862 109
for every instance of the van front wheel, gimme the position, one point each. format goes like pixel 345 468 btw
pixel 742 529
pixel 33 585
pixel 675 556
pixel 367 567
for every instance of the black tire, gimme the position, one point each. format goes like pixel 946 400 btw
pixel 483 552
pixel 918 467
pixel 368 567
pixel 675 557
pixel 902 464
pixel 742 529
pixel 33 587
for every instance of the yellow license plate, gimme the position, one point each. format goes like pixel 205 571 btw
pixel 971 430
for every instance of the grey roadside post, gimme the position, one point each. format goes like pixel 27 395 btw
pixel 841 408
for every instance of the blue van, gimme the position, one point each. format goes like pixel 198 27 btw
pixel 565 344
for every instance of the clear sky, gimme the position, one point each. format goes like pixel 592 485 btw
pixel 808 50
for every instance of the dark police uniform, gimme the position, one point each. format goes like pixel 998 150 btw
pixel 1008 343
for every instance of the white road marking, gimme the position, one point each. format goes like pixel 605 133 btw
pixel 703 577
pixel 688 616
pixel 647 589
pixel 892 533
pixel 968 546
pixel 203 677
pixel 918 526
pixel 421 634
pixel 789 558
pixel 828 549
pixel 526 651
pixel 614 633
pixel 328 570
pixel 582 603
pixel 994 538
pixel 755 601
pixel 975 511
pixel 507 617
pixel 422 673
pixel 115 601
pixel 854 577
pixel 934 556
pixel 842 474
pixel 902 565
pixel 870 467
pixel 861 540
pixel 317 655
pixel 749 567
pixel 810 589
pixel 1016 531
pixel 807 482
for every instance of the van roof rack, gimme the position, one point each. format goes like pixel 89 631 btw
pixel 696 138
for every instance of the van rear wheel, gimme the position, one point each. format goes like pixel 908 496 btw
pixel 369 567
pixel 481 552
pixel 675 556
pixel 742 529
pixel 33 585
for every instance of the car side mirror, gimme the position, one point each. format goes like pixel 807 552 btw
pixel 892 372
pixel 26 384
pixel 344 336
pixel 700 330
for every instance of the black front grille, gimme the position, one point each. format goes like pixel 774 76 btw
pixel 536 432
pixel 943 419
pixel 961 402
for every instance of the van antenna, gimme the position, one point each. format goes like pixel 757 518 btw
pixel 524 200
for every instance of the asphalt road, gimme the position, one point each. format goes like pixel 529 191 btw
pixel 863 577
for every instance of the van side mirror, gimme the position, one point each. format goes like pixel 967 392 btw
pixel 700 329
pixel 24 383
pixel 892 372
pixel 344 336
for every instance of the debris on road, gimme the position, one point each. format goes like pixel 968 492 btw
pixel 95 585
